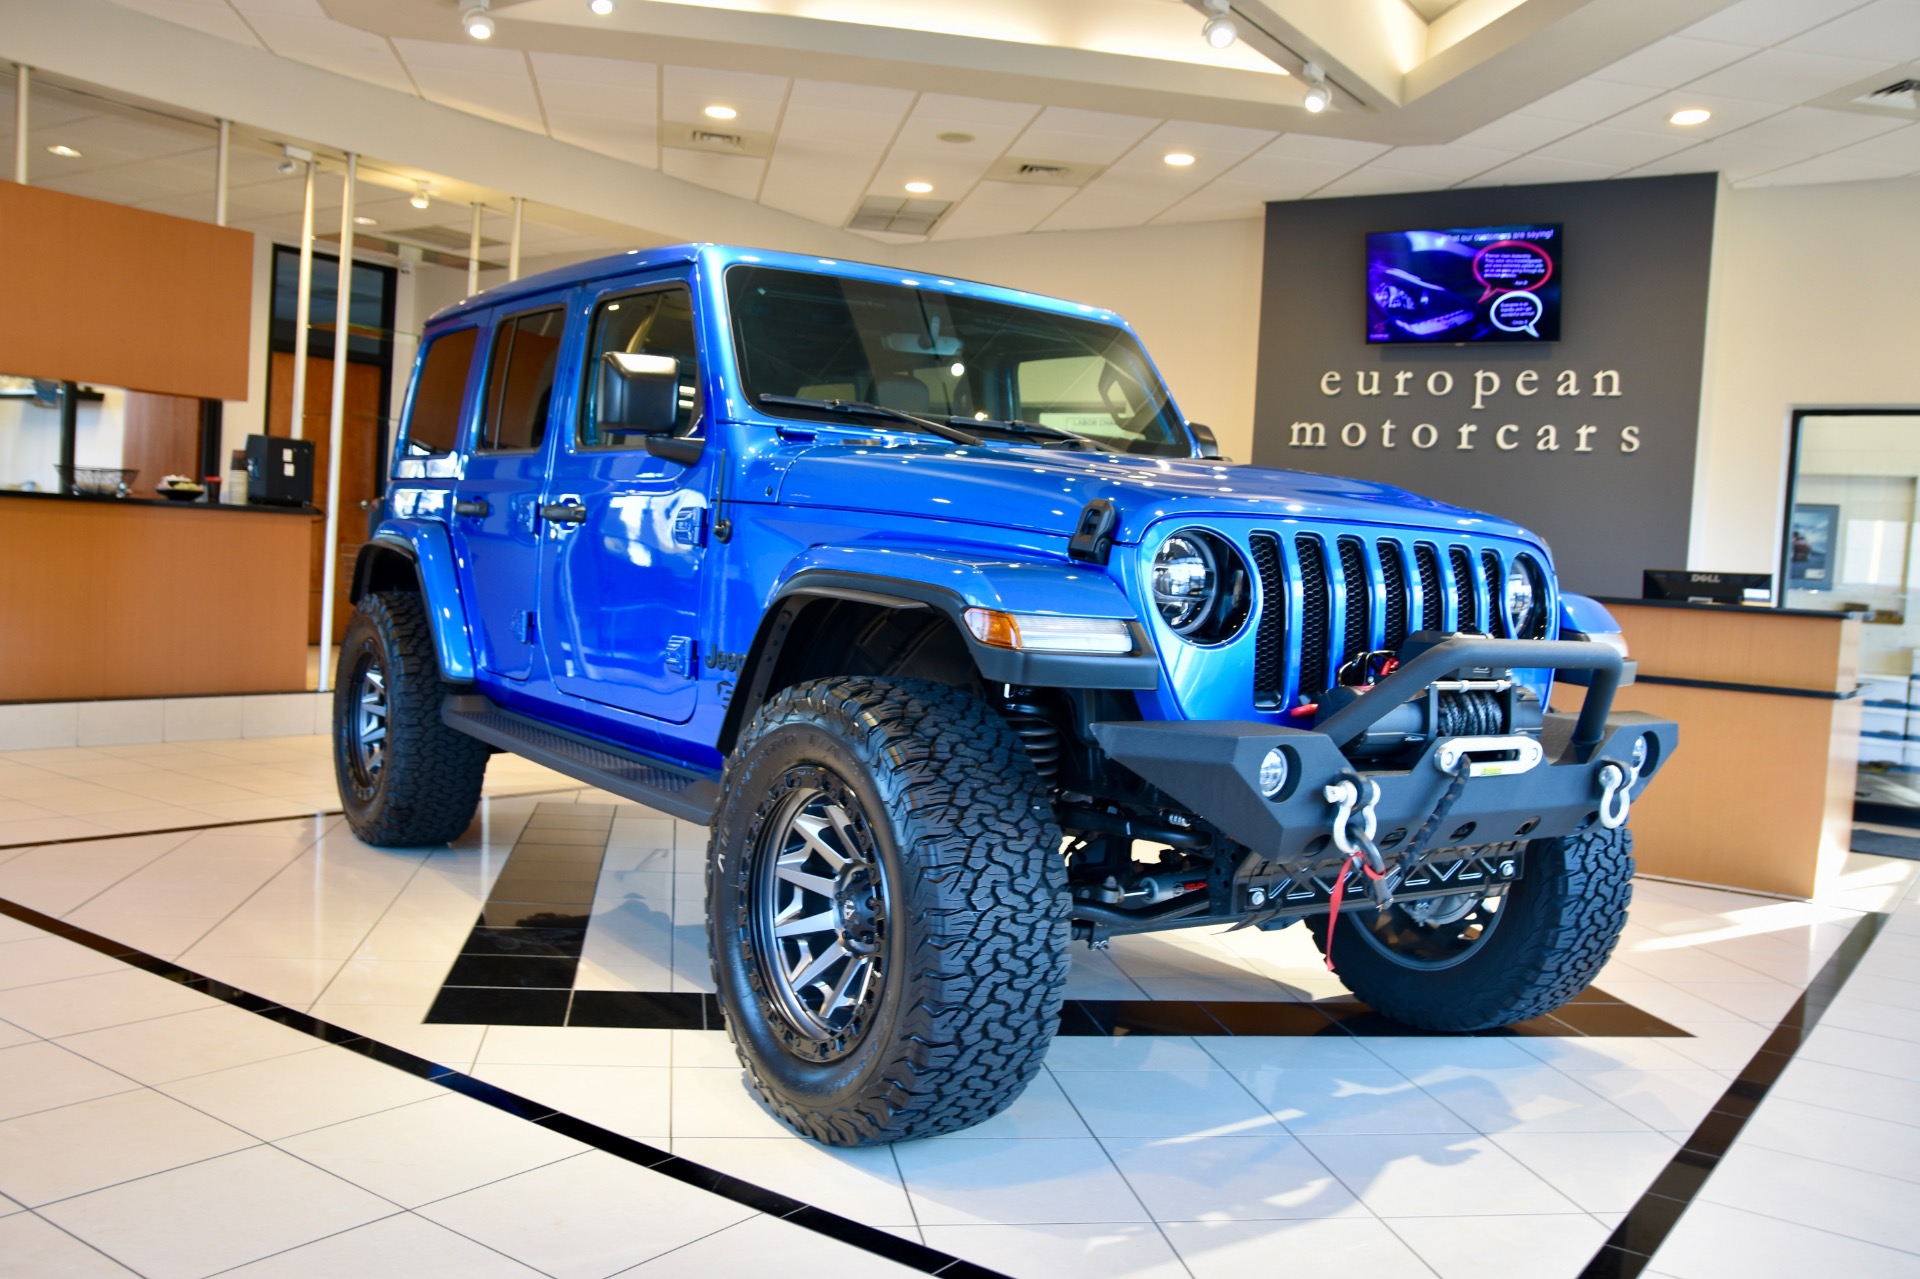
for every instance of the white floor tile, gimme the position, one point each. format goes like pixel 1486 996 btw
pixel 39 1076
pixel 1854 1091
pixel 431 1149
pixel 1166 1103
pixel 1316 1052
pixel 222 1212
pixel 1599 1171
pixel 1852 1141
pixel 167 1048
pixel 581 1218
pixel 1349 1101
pixel 634 1101
pixel 1876 1054
pixel 708 1049
pixel 718 1103
pixel 1230 1178
pixel 75 1149
pixel 33 1247
pixel 286 1095
pixel 11 1035
pixel 748 1247
pixel 1014 1182
pixel 580 1046
pixel 1527 1247
pixel 1534 1098
pixel 89 1003
pixel 860 1182
pixel 1129 1052
pixel 1339 1248
pixel 1715 1242
pixel 1436 1176
pixel 49 958
pixel 403 1244
pixel 1104 1251
pixel 1042 1111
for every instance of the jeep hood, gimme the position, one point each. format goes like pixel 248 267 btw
pixel 1043 492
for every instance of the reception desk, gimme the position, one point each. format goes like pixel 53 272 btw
pixel 1760 793
pixel 123 597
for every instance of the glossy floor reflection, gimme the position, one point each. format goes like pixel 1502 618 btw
pixel 1141 1154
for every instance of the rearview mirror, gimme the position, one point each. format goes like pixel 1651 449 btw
pixel 637 394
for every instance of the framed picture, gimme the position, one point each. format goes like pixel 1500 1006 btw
pixel 1810 546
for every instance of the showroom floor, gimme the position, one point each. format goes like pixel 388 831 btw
pixel 250 1044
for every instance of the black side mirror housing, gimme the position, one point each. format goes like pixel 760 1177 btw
pixel 637 394
pixel 1203 436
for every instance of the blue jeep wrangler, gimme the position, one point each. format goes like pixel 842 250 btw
pixel 924 596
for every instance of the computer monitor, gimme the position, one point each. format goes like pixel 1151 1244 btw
pixel 1706 588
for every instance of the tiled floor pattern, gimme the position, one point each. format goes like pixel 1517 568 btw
pixel 1151 1156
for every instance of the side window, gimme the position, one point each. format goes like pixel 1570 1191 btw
pixel 433 424
pixel 659 323
pixel 520 380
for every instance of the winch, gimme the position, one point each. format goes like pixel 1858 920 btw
pixel 1478 702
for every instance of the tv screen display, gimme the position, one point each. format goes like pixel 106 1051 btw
pixel 1465 284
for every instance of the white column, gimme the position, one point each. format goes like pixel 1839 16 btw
pixel 336 425
pixel 221 158
pixel 473 253
pixel 303 305
pixel 513 245
pixel 22 90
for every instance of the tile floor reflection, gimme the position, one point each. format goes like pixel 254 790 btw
pixel 129 1104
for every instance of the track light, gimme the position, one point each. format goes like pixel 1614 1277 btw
pixel 1319 97
pixel 1219 30
pixel 421 197
pixel 601 7
pixel 478 22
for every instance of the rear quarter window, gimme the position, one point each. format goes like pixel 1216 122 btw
pixel 433 422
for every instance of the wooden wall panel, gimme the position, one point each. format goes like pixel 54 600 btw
pixel 99 292
pixel 114 599
pixel 161 437
pixel 359 466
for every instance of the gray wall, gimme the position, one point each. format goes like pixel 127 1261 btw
pixel 1634 302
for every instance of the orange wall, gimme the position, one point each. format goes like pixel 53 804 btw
pixel 97 292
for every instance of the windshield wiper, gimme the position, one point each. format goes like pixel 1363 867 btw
pixel 860 408
pixel 1014 426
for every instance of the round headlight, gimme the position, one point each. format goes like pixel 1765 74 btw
pixel 1522 599
pixel 1200 586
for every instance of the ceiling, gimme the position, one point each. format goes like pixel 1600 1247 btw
pixel 960 94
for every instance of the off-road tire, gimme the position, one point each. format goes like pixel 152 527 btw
pixel 428 783
pixel 1559 923
pixel 975 940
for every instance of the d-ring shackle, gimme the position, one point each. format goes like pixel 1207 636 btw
pixel 1615 797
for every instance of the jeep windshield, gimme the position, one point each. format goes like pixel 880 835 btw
pixel 800 336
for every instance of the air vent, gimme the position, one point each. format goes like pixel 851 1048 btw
pixel 898 215
pixel 1904 94
pixel 1043 170
pixel 714 138
pixel 1039 171
pixel 1893 93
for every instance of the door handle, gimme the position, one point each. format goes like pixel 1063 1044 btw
pixel 477 508
pixel 563 513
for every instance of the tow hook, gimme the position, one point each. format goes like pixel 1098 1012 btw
pixel 1354 825
pixel 1615 797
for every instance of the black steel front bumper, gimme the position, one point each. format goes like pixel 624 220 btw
pixel 1212 768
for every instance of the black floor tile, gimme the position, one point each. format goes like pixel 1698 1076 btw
pixel 547 971
pixel 556 942
pixel 660 1010
pixel 491 1006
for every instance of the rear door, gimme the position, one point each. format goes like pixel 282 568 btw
pixel 625 545
pixel 497 497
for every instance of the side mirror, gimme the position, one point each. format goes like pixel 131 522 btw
pixel 1203 436
pixel 637 394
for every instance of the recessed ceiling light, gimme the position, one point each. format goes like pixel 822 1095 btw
pixel 601 7
pixel 919 188
pixel 1692 115
pixel 64 151
pixel 1178 159
pixel 420 198
pixel 721 113
pixel 957 138
pixel 364 220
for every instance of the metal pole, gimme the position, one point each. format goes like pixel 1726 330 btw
pixel 22 90
pixel 513 246
pixel 220 174
pixel 336 424
pixel 301 308
pixel 473 254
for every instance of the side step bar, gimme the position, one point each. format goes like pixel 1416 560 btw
pixel 688 795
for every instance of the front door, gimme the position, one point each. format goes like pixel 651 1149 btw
pixel 497 498
pixel 626 531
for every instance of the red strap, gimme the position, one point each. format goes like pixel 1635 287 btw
pixel 1339 894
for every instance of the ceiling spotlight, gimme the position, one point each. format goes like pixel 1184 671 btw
pixel 1219 30
pixel 64 151
pixel 1178 159
pixel 920 188
pixel 287 167
pixel 720 113
pixel 1691 115
pixel 601 7
pixel 420 198
pixel 1319 97
pixel 364 220
pixel 477 21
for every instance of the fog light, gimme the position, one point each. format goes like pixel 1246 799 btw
pixel 1639 757
pixel 1273 773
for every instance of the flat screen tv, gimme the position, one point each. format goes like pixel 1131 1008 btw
pixel 1465 284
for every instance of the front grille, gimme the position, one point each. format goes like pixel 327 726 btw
pixel 1421 587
